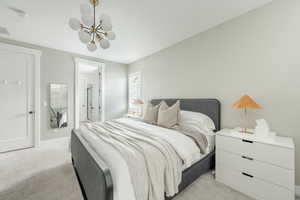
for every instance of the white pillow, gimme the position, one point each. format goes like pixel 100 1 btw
pixel 199 123
pixel 196 120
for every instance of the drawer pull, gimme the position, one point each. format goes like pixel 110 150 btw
pixel 248 175
pixel 248 141
pixel 248 158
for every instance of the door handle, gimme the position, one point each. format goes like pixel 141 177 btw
pixel 31 112
pixel 248 175
pixel 248 158
pixel 247 141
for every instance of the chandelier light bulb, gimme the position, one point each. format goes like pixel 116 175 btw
pixel 104 43
pixel 106 22
pixel 104 18
pixel 107 26
pixel 74 24
pixel 111 35
pixel 84 37
pixel 87 20
pixel 85 9
pixel 92 46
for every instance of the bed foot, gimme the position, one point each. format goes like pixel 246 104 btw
pixel 79 181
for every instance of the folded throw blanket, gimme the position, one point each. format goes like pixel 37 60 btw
pixel 155 167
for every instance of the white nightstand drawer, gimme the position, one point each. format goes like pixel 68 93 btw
pixel 268 172
pixel 280 156
pixel 252 186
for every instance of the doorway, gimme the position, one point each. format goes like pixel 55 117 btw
pixel 19 97
pixel 89 91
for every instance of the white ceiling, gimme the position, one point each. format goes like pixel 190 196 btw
pixel 142 26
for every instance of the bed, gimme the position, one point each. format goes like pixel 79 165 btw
pixel 94 174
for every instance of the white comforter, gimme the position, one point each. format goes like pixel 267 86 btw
pixel 184 146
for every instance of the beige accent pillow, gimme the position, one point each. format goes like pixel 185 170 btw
pixel 150 114
pixel 168 117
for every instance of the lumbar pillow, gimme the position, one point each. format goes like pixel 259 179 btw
pixel 151 112
pixel 168 116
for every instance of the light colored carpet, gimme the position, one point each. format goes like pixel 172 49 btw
pixel 38 174
pixel 58 183
pixel 47 174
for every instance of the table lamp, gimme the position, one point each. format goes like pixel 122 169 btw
pixel 138 103
pixel 246 102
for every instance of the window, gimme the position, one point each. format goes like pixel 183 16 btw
pixel 134 93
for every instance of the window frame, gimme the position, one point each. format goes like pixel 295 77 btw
pixel 134 109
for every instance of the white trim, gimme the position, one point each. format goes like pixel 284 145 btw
pixel 20 49
pixel 102 68
pixel 57 142
pixel 37 100
pixel 76 78
pixel 37 67
pixel 297 190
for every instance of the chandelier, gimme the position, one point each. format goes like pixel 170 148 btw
pixel 90 30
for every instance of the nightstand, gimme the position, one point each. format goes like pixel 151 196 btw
pixel 262 168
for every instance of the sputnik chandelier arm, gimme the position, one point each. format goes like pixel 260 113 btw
pixel 89 30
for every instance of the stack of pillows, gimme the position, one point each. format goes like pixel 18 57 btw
pixel 184 121
pixel 162 114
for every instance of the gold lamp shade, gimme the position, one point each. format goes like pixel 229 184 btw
pixel 246 102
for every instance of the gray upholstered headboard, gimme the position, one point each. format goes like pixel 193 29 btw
pixel 209 107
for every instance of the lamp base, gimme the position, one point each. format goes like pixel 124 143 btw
pixel 245 131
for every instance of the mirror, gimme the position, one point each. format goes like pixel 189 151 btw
pixel 58 105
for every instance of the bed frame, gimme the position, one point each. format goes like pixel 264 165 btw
pixel 94 176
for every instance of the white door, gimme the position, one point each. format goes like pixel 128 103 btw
pixel 16 100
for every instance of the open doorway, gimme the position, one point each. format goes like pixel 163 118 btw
pixel 89 92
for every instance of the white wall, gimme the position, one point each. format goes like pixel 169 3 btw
pixel 58 66
pixel 256 54
pixel 115 90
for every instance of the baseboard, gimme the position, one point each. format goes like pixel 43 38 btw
pixel 57 142
pixel 297 190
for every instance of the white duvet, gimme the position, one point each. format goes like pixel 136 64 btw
pixel 184 146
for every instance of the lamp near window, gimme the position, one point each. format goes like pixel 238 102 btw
pixel 138 103
pixel 246 102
